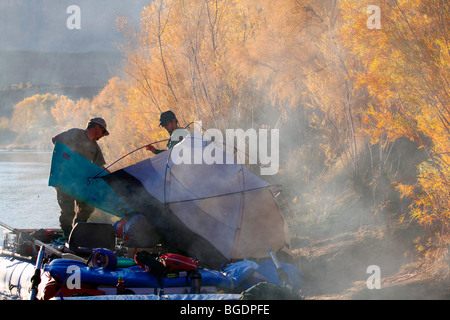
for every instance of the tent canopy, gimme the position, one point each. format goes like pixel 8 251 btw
pixel 214 212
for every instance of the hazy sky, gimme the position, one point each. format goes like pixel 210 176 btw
pixel 41 25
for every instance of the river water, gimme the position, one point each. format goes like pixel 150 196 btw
pixel 26 200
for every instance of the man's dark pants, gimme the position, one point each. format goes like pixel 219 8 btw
pixel 72 211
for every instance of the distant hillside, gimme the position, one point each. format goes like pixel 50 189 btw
pixel 41 25
pixel 40 54
pixel 63 68
pixel 76 75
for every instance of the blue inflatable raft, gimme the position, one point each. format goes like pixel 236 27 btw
pixel 234 277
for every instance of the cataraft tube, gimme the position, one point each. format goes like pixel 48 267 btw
pixel 15 278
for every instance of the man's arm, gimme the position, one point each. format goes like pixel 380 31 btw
pixel 152 148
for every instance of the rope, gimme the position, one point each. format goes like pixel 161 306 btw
pixel 126 155
pixel 106 168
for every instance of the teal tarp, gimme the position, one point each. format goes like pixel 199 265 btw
pixel 74 175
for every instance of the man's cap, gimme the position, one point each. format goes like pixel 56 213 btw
pixel 165 117
pixel 101 122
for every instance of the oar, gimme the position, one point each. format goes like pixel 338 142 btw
pixel 16 231
pixel 5 226
pixel 63 255
pixel 36 278
pixel 46 246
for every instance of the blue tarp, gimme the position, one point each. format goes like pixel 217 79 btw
pixel 231 277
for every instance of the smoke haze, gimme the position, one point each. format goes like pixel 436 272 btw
pixel 41 25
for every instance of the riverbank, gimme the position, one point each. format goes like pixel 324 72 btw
pixel 34 147
pixel 337 269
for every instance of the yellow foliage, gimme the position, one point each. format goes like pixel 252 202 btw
pixel 228 62
pixel 406 73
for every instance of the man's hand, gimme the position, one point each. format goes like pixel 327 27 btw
pixel 151 148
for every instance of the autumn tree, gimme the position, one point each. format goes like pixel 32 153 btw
pixel 406 71
pixel 32 120
pixel 178 59
pixel 69 113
